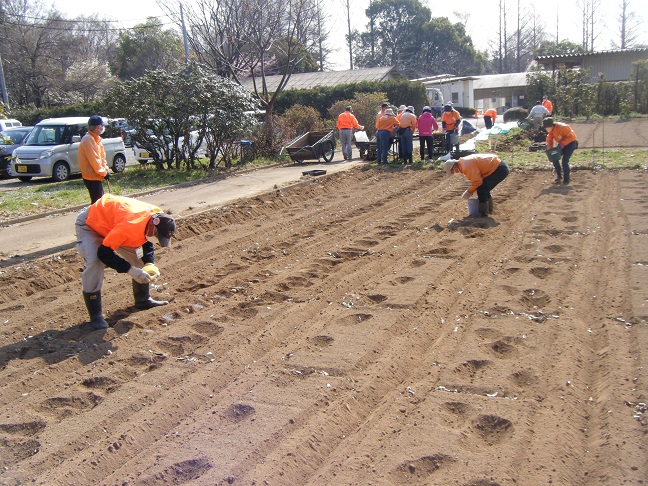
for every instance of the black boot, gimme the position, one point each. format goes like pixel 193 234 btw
pixel 93 304
pixel 483 209
pixel 490 204
pixel 143 297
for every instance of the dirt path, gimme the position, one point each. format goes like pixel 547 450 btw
pixel 357 330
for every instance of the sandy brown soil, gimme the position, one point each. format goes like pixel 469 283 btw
pixel 359 329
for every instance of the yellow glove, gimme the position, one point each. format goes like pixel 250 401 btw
pixel 152 270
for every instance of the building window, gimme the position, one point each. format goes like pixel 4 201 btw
pixel 455 98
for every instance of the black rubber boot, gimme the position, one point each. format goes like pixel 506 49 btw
pixel 93 304
pixel 483 209
pixel 143 297
pixel 490 204
pixel 558 170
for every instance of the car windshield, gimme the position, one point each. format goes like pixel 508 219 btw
pixel 49 135
pixel 11 137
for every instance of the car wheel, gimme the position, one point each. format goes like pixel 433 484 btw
pixel 119 163
pixel 4 168
pixel 328 150
pixel 24 178
pixel 61 172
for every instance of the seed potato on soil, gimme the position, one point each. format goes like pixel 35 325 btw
pixel 357 329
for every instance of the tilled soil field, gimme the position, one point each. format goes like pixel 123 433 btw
pixel 358 329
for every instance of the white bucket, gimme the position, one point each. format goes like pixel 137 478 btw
pixel 473 207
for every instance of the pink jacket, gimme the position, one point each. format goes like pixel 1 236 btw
pixel 426 124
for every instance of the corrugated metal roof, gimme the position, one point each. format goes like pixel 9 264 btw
pixel 493 81
pixel 327 78
pixel 574 55
pixel 444 79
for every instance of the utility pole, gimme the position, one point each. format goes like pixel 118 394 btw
pixel 348 14
pixel 3 87
pixel 184 35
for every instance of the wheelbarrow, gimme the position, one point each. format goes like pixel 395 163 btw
pixel 312 146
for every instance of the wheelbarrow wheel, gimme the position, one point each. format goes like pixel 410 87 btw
pixel 328 150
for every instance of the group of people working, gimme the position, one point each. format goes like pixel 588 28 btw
pixel 119 232
pixel 401 127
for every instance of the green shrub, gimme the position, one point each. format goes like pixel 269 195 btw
pixel 465 112
pixel 299 119
pixel 513 114
pixel 323 97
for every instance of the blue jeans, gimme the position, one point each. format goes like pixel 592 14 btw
pixel 488 183
pixel 567 152
pixel 382 146
pixel 406 145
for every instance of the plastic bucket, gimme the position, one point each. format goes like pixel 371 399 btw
pixel 554 154
pixel 455 139
pixel 473 207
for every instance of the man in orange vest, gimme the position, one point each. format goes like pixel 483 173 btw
pixel 449 122
pixel 92 158
pixel 547 104
pixel 490 116
pixel 114 232
pixel 563 135
pixel 346 122
pixel 484 171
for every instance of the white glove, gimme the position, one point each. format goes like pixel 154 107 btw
pixel 139 275
pixel 466 195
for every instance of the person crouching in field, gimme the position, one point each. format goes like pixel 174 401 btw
pixel 485 171
pixel 115 232
pixel 563 135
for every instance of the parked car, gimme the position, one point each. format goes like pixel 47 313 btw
pixel 10 140
pixel 143 156
pixel 119 127
pixel 9 123
pixel 51 150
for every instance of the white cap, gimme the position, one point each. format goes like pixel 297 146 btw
pixel 449 164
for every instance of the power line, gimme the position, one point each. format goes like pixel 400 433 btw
pixel 72 21
pixel 90 21
pixel 49 27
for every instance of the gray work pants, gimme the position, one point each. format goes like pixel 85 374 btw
pixel 346 139
pixel 88 242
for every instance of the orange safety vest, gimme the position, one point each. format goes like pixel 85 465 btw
pixel 548 105
pixel 450 118
pixel 476 167
pixel 91 158
pixel 491 113
pixel 120 220
pixel 561 133
pixel 347 120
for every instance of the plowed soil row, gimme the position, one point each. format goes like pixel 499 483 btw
pixel 360 329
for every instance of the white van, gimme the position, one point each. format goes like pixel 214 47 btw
pixel 51 150
pixel 9 123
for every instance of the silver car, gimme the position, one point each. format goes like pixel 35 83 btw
pixel 10 140
pixel 51 150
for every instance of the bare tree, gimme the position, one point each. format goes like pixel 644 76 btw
pixel 251 39
pixel 516 49
pixel 628 26
pixel 243 38
pixel 590 23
